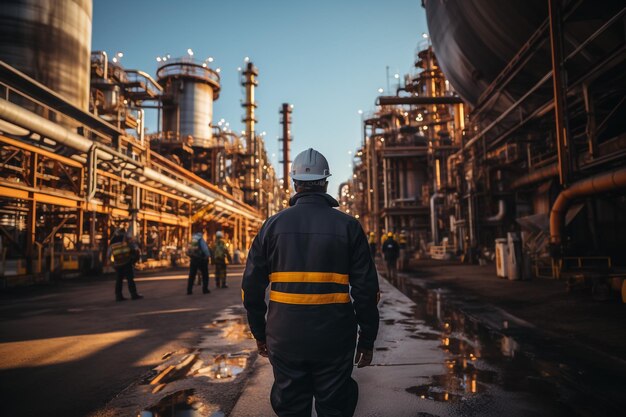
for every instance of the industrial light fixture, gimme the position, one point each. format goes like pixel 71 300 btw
pixel 189 51
pixel 380 90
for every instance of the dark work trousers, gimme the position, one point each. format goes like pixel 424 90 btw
pixel 392 270
pixel 125 271
pixel 329 381
pixel 201 264
pixel 220 274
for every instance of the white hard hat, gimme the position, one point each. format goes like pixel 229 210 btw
pixel 219 233
pixel 309 165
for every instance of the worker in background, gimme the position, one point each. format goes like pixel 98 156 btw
pixel 153 243
pixel 124 253
pixel 316 259
pixel 237 256
pixel 198 252
pixel 220 257
pixel 404 255
pixel 391 252
pixel 372 242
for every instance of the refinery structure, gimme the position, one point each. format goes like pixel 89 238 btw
pixel 77 162
pixel 513 152
pixel 500 154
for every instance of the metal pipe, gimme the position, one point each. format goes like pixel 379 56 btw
pixel 417 100
pixel 449 169
pixel 597 184
pixel 537 175
pixel 499 216
pixel 433 216
pixel 28 120
pixel 564 148
pixel 470 218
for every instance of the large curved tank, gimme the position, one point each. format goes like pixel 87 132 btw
pixel 50 40
pixel 475 39
pixel 189 90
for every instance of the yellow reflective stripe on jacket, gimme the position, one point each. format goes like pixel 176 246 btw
pixel 289 298
pixel 309 277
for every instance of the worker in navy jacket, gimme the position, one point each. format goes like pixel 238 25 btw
pixel 324 287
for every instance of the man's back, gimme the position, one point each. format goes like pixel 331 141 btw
pixel 323 284
pixel 314 253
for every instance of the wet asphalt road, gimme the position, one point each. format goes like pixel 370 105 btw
pixel 67 349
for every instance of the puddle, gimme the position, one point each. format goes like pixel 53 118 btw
pixel 493 361
pixel 425 336
pixel 231 325
pixel 225 367
pixel 179 404
pixel 431 392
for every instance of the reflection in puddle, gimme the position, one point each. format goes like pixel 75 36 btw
pixel 467 346
pixel 225 367
pixel 231 325
pixel 425 336
pixel 179 404
pixel 430 392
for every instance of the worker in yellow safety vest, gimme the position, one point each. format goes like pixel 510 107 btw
pixel 323 287
pixel 124 253
pixel 371 240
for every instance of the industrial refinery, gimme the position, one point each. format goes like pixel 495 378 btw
pixel 77 162
pixel 157 260
pixel 519 161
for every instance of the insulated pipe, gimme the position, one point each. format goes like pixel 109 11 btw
pixel 597 184
pixel 433 216
pixel 28 120
pixel 499 216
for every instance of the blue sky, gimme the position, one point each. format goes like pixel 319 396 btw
pixel 327 58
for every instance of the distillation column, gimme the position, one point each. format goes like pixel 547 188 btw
pixel 286 122
pixel 252 179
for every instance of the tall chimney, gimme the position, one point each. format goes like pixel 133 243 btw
pixel 251 188
pixel 286 122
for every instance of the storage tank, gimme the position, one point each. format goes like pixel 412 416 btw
pixel 189 90
pixel 50 41
pixel 475 39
